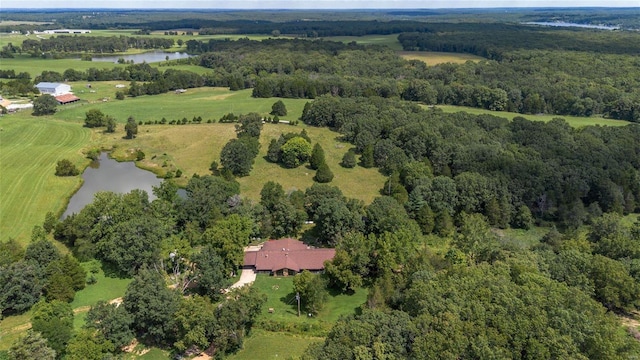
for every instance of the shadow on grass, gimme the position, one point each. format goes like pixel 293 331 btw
pixel 111 271
pixel 290 300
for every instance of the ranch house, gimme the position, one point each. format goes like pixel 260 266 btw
pixel 287 257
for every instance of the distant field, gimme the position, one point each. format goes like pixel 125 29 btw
pixel 432 58
pixel 574 121
pixel 30 148
pixel 390 41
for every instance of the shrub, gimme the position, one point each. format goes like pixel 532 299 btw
pixel 324 174
pixel 65 167
pixel 349 160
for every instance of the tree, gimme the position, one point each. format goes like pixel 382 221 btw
pixel 112 321
pixel 10 252
pixel 294 152
pixel 31 346
pixel 131 128
pixel 312 291
pixel 44 105
pixel 209 270
pixel 278 108
pixel 348 160
pixel 271 194
pixel 228 237
pixel 65 167
pixel 324 174
pixel 94 118
pixel 366 159
pixel 88 345
pixel 195 321
pixel 152 307
pixel 286 219
pixel 54 320
pixel 119 95
pixel 21 285
pixel 238 155
pixel 317 157
pixel 110 123
pixel 42 253
pixel 250 125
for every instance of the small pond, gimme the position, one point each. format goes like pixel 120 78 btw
pixel 106 174
pixel 149 57
pixel 568 24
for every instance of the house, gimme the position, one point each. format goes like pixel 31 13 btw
pixel 67 99
pixel 287 257
pixel 54 89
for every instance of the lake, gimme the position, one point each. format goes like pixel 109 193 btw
pixel 106 174
pixel 149 57
pixel 567 24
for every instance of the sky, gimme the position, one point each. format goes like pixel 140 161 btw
pixel 313 4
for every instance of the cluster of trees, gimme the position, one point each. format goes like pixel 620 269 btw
pixel 238 155
pixel 39 271
pixel 44 104
pixel 92 44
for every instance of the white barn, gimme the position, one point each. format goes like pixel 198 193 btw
pixel 54 89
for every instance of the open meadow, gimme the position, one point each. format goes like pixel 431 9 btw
pixel 432 58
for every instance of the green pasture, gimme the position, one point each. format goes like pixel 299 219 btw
pixel 390 41
pixel 29 150
pixel 272 345
pixel 574 121
pixel 12 327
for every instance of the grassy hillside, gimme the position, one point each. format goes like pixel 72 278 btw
pixel 30 149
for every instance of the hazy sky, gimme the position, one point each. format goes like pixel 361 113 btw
pixel 312 4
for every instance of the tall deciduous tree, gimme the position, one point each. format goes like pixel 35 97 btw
pixel 211 277
pixel 21 285
pixel 152 306
pixel 54 320
pixel 112 321
pixel 312 291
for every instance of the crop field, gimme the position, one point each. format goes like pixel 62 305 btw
pixel 30 149
pixel 432 58
pixel 574 121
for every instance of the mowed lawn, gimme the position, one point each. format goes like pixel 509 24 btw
pixel 30 147
pixel 271 345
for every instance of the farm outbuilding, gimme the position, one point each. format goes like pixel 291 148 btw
pixel 287 257
pixel 54 89
pixel 67 99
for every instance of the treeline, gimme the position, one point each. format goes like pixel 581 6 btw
pixel 493 40
pixel 93 44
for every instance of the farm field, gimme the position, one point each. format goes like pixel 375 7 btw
pixel 30 149
pixel 390 41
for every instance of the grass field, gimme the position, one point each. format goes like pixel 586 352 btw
pixel 432 58
pixel 281 298
pixel 574 121
pixel 30 149
pixel 271 345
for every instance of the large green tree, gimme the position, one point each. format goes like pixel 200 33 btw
pixel 44 105
pixel 31 346
pixel 210 273
pixel 312 291
pixel 238 155
pixel 54 320
pixel 152 306
pixel 131 128
pixel 112 321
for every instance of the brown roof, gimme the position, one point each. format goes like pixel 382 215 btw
pixel 67 98
pixel 287 254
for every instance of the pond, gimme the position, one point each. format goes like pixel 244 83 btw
pixel 106 174
pixel 568 24
pixel 149 57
